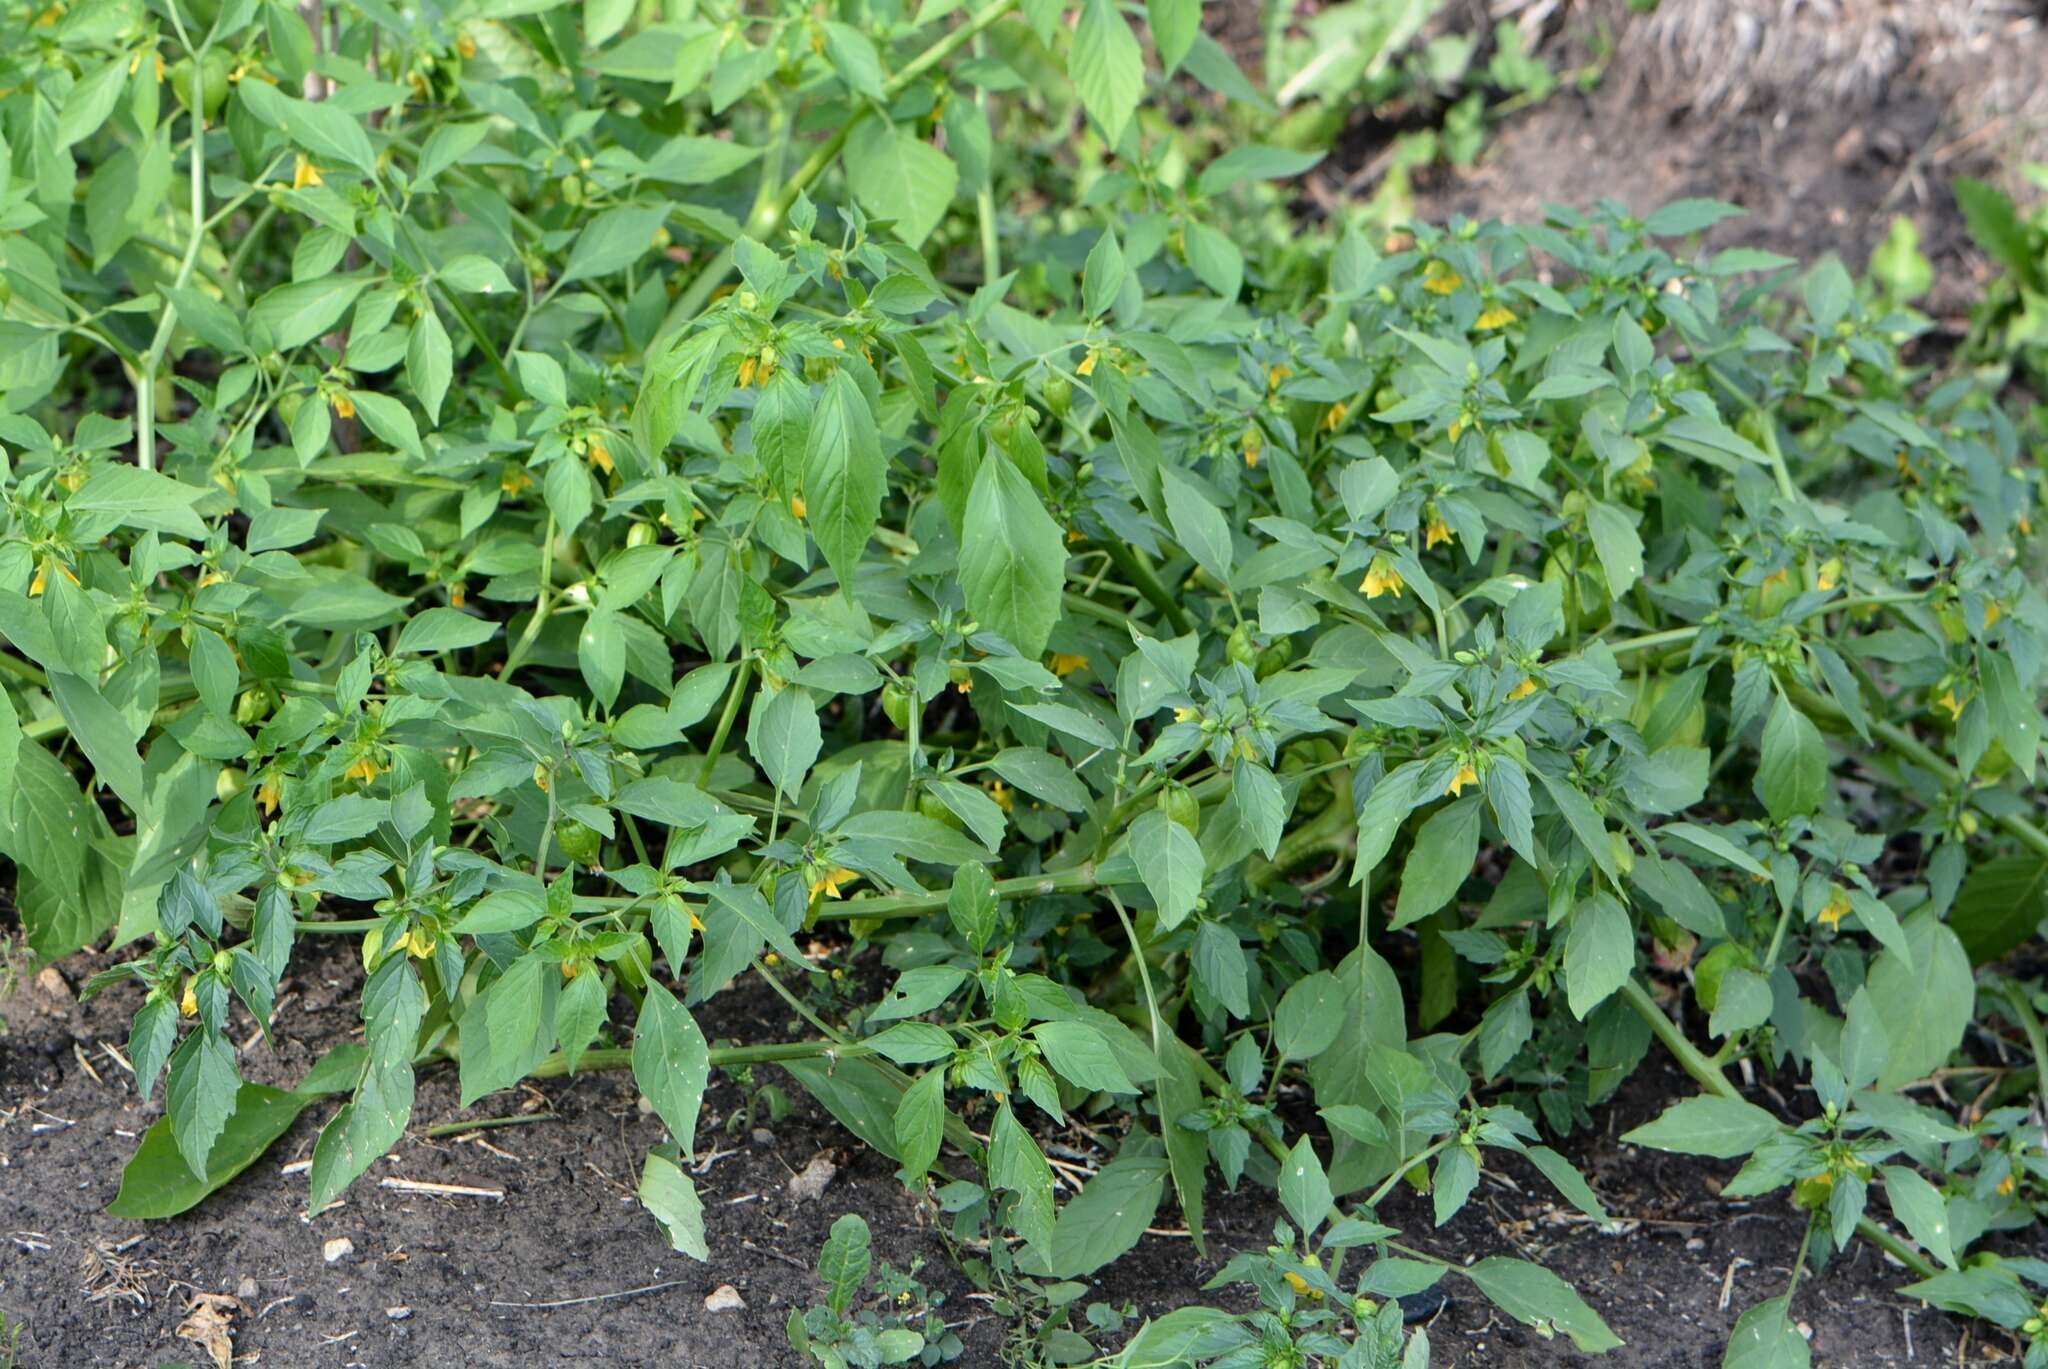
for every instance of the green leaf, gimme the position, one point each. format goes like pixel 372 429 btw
pixel 667 1192
pixel 1996 226
pixel 200 1095
pixel 670 1062
pixel 613 241
pixel 785 738
pixel 1533 1295
pixel 429 362
pixel 1792 772
pixel 157 1183
pixel 1107 1217
pixel 897 175
pixel 1016 1164
pixel 295 314
pixel 845 1260
pixel 1175 25
pixel 921 1124
pixel 602 19
pixel 1599 953
pixel 1723 1128
pixel 1169 860
pixel 443 629
pixel 1567 1180
pixel 1927 998
pixel 1081 1055
pixel 1304 1187
pixel 1440 861
pixel 1107 67
pixel 845 475
pixel 1618 545
pixel 1013 558
pixel 1766 1338
pixel 1309 1016
pixel 2001 904
pixel 324 129
pixel 2015 714
pixel 1198 525
pixel 136 498
pixel 1102 276
pixel 1922 1210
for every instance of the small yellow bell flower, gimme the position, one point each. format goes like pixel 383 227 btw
pixel 1001 793
pixel 365 769
pixel 1466 775
pixel 344 407
pixel 1837 907
pixel 797 505
pixel 189 1004
pixel 829 883
pixel 1381 578
pixel 1334 419
pixel 1499 316
pixel 306 174
pixel 1524 689
pixel 1437 533
pixel 269 794
pixel 1066 663
pixel 1440 279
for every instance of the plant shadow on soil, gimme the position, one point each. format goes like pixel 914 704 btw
pixel 568 1226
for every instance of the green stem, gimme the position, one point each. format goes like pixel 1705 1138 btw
pixel 915 905
pixel 145 384
pixel 725 719
pixel 722 1057
pixel 2022 1012
pixel 1146 580
pixel 541 606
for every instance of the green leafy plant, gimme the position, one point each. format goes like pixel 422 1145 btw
pixel 844 1335
pixel 590 506
pixel 2010 324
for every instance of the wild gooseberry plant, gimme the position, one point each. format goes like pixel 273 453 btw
pixel 594 504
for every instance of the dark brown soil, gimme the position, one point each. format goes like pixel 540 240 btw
pixel 568 1227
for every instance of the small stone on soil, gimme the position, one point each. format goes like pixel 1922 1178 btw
pixel 810 1183
pixel 247 1290
pixel 53 983
pixel 397 1313
pixel 763 1137
pixel 337 1250
pixel 724 1298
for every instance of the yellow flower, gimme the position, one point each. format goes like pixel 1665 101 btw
pixel 189 1004
pixel 1438 532
pixel 465 45
pixel 829 883
pixel 1382 578
pixel 1275 375
pixel 269 794
pixel 1440 279
pixel 458 593
pixel 1066 663
pixel 344 407
pixel 1906 471
pixel 1830 574
pixel 1952 702
pixel 1338 413
pixel 42 578
pixel 1499 316
pixel 1992 612
pixel 417 942
pixel 1004 798
pixel 1776 579
pixel 305 173
pixel 797 505
pixel 1466 775
pixel 2007 1186
pixel 514 480
pixel 1837 906
pixel 1524 689
pixel 1254 444
pixel 601 454
pixel 1300 1285
pixel 696 923
pixel 1183 715
pixel 964 686
pixel 364 769
pixel 1458 426
pixel 1087 366
pixel 2026 526
pixel 747 368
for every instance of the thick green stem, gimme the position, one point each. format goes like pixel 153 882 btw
pixel 722 1057
pixel 1146 581
pixel 145 381
pixel 725 719
pixel 916 905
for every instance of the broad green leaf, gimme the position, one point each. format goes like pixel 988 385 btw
pixel 845 1260
pixel 614 240
pixel 1012 558
pixel 785 738
pixel 1108 1216
pixel 845 475
pixel 1169 860
pixel 1792 770
pixel 1440 860
pixel 670 1063
pixel 897 175
pixel 667 1192
pixel 1532 1294
pixel 1922 1210
pixel 1304 1187
pixel 293 315
pixel 1927 998
pixel 1723 1128
pixel 1618 545
pixel 200 1095
pixel 1766 1338
pixel 1107 67
pixel 1599 953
